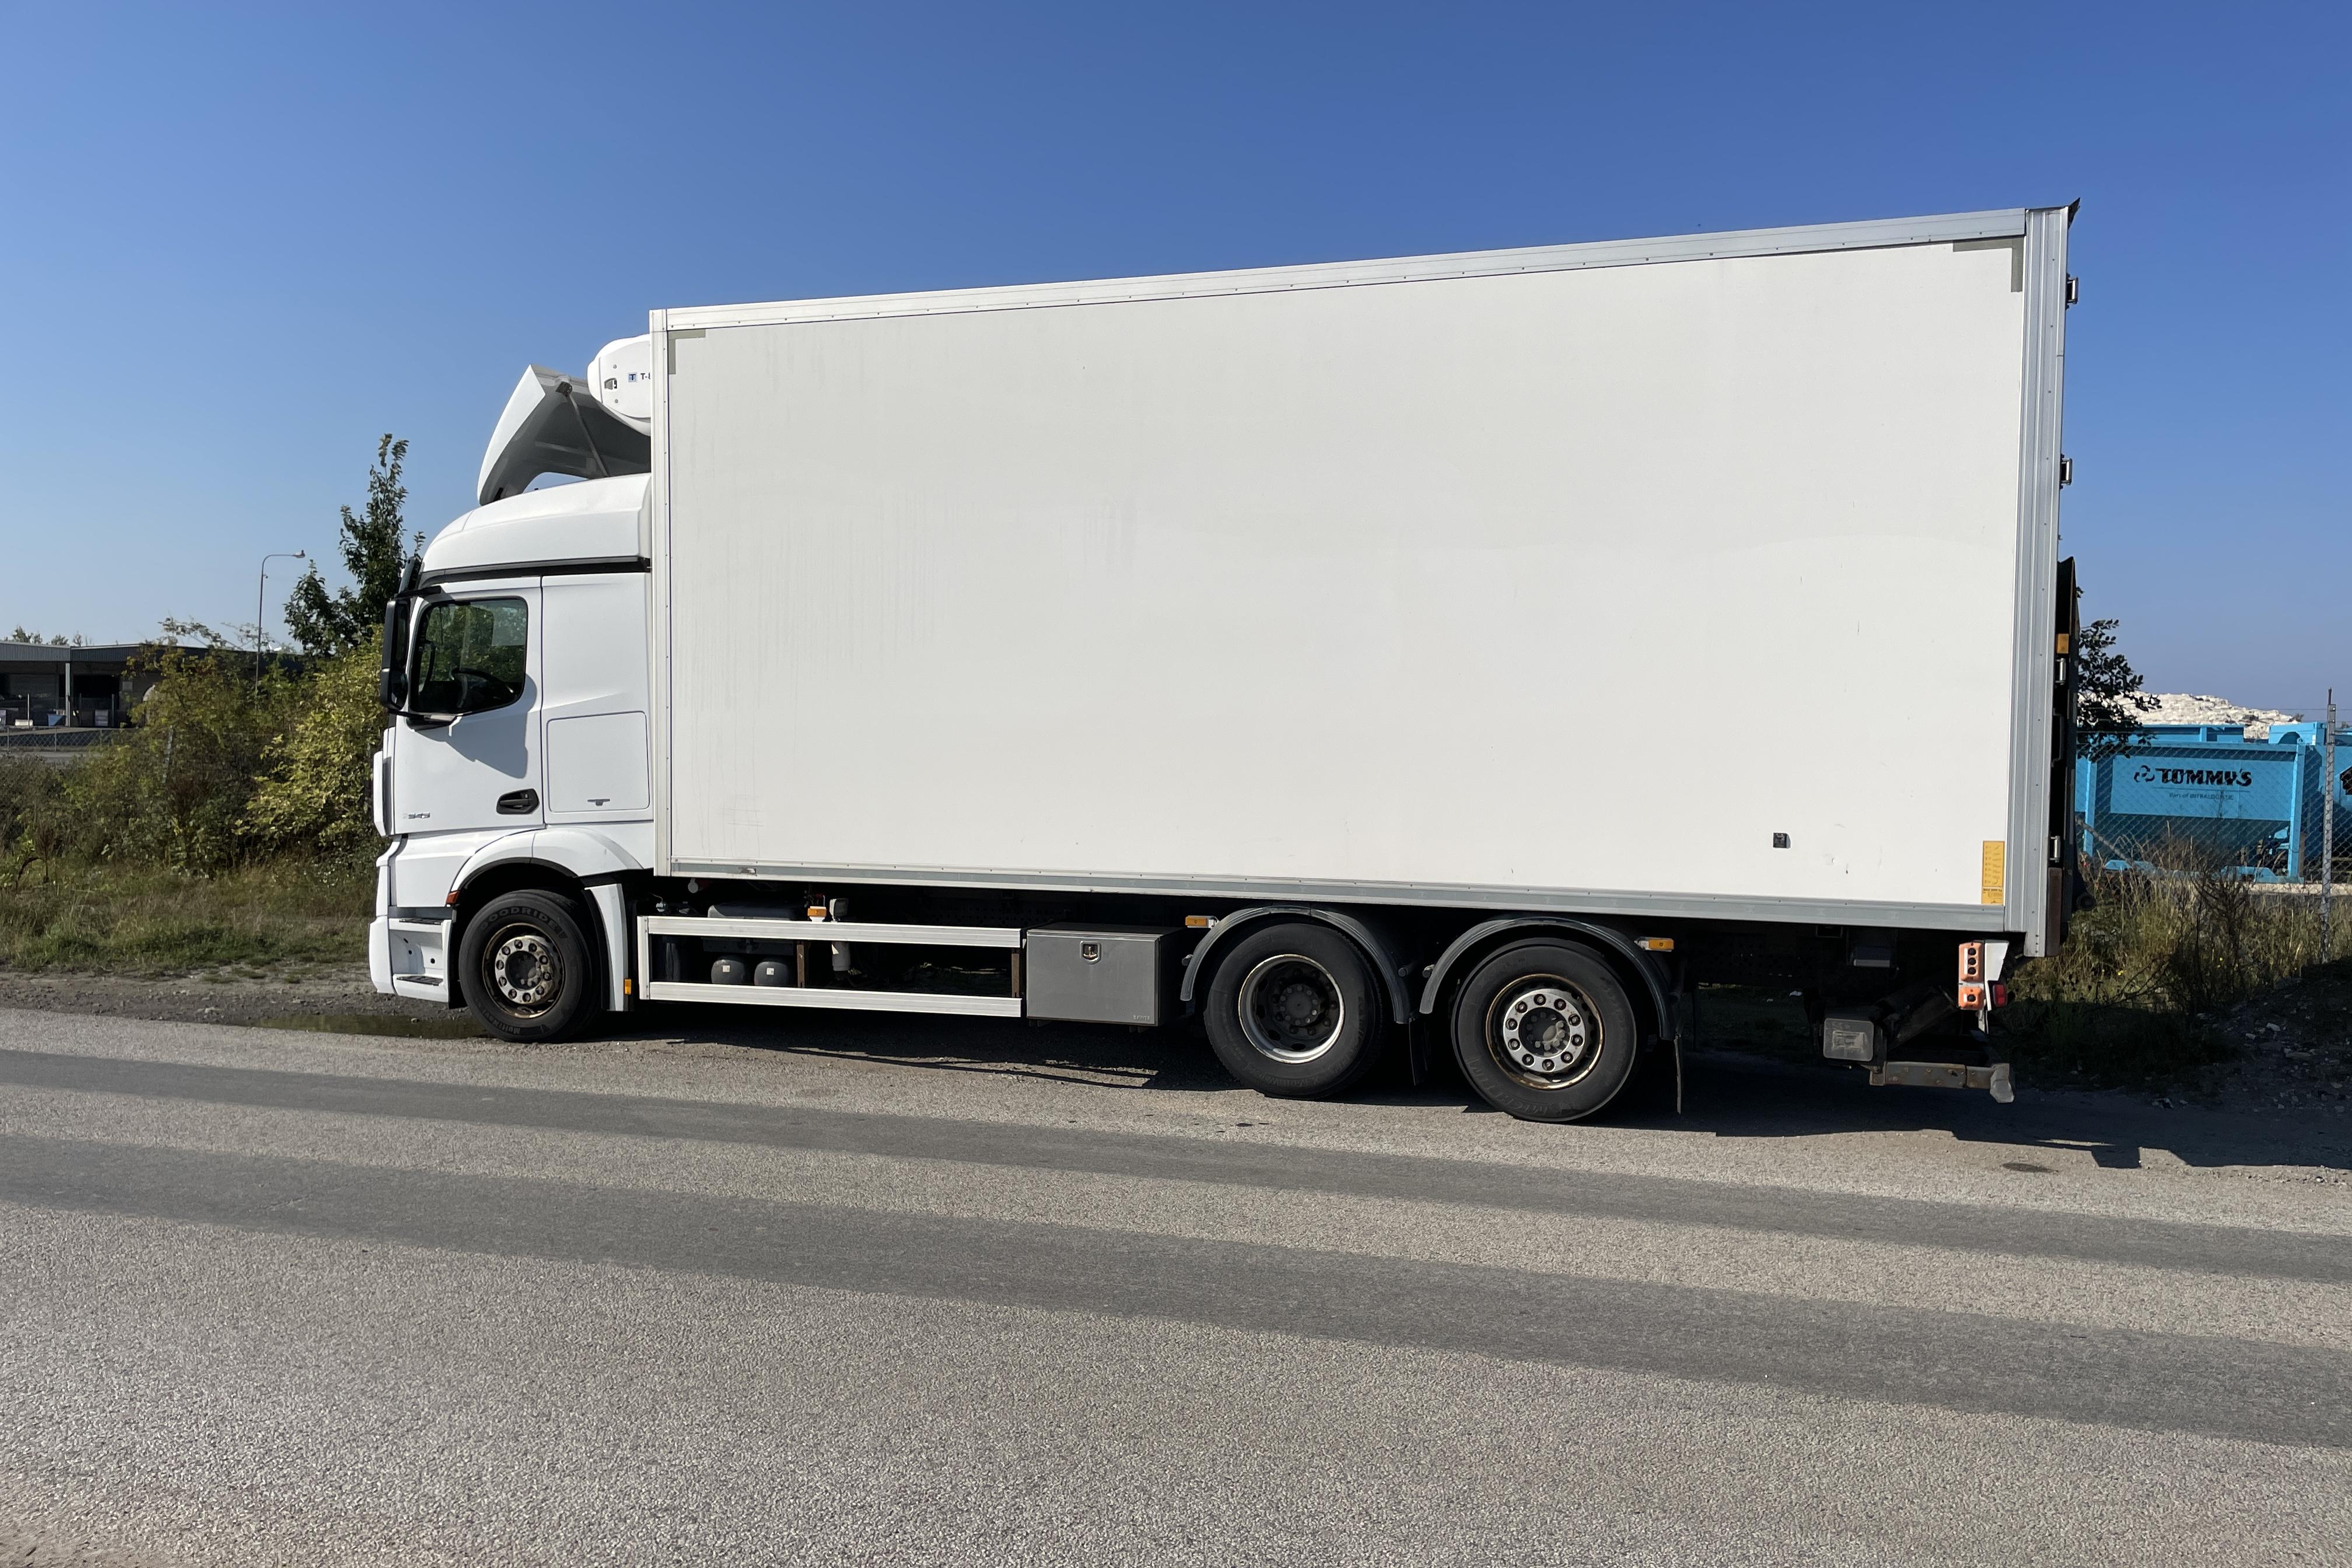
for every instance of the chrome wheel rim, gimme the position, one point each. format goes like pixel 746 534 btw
pixel 1544 1032
pixel 1291 1009
pixel 523 968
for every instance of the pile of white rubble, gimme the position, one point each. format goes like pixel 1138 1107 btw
pixel 2182 708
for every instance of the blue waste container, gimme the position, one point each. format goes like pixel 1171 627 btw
pixel 2209 796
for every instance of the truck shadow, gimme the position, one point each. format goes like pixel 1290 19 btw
pixel 1725 1093
pixel 1730 1094
pixel 1095 1056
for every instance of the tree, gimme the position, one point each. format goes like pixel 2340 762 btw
pixel 177 633
pixel 2107 698
pixel 21 635
pixel 375 552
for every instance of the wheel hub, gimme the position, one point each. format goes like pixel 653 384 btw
pixel 525 970
pixel 1299 1006
pixel 1546 1029
pixel 1291 1009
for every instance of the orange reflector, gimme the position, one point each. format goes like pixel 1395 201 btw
pixel 1200 923
pixel 816 911
pixel 452 897
pixel 629 986
pixel 1659 943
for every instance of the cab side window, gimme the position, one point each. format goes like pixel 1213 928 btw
pixel 469 656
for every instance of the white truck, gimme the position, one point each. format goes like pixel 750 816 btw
pixel 1476 652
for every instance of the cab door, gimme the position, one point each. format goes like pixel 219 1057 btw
pixel 466 756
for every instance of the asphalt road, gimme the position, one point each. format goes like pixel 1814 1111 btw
pixel 866 1290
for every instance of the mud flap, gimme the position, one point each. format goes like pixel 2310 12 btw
pixel 1416 1049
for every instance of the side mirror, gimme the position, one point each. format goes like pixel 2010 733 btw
pixel 392 679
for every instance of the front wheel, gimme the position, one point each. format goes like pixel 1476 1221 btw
pixel 1544 1031
pixel 525 969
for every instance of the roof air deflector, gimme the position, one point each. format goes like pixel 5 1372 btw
pixel 554 425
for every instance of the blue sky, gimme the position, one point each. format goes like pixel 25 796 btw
pixel 238 243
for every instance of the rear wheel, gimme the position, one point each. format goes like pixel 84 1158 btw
pixel 1545 1031
pixel 1295 1011
pixel 525 968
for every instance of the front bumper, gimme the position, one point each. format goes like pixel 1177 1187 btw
pixel 407 956
pixel 410 958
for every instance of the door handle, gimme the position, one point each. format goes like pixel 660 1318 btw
pixel 519 803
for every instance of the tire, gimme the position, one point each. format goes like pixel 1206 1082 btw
pixel 1545 1031
pixel 546 988
pixel 1295 1011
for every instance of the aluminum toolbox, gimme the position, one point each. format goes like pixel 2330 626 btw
pixel 1102 973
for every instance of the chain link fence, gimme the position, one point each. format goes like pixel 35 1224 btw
pixel 2263 808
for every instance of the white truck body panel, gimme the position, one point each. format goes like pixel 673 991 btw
pixel 1560 579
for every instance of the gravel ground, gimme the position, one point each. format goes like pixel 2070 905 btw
pixel 337 998
pixel 2294 1049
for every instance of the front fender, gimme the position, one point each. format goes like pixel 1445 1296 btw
pixel 583 854
pixel 596 860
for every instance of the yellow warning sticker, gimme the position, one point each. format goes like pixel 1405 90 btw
pixel 1996 872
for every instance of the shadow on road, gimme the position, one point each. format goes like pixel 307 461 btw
pixel 1725 1093
pixel 1094 1055
pixel 1732 1095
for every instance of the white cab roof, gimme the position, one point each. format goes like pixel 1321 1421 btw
pixel 591 522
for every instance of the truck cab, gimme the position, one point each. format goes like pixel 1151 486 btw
pixel 515 754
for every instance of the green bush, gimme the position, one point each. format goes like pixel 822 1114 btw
pixel 219 770
pixel 229 826
pixel 173 792
pixel 31 814
pixel 2134 994
pixel 314 797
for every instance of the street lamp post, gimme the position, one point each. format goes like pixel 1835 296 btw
pixel 260 641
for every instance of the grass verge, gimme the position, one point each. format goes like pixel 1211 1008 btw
pixel 2140 993
pixel 96 916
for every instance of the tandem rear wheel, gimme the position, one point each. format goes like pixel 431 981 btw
pixel 1545 1031
pixel 1295 1011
